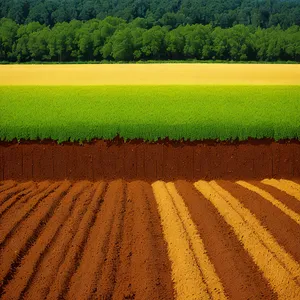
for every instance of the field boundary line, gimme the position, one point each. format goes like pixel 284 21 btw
pixel 267 196
pixel 287 186
pixel 279 268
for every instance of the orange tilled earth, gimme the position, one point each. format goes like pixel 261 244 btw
pixel 137 240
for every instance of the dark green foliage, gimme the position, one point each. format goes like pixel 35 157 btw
pixel 114 39
pixel 224 13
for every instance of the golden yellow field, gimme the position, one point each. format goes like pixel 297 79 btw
pixel 150 74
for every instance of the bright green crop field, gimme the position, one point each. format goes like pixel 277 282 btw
pixel 75 113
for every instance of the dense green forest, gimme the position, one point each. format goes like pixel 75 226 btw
pixel 133 30
pixel 117 40
pixel 223 13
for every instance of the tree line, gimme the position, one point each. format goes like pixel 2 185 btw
pixel 115 39
pixel 223 13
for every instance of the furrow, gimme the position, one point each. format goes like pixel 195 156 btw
pixel 40 187
pixel 24 238
pixel 288 200
pixel 84 282
pixel 29 266
pixel 123 287
pixel 9 224
pixel 45 274
pixel 145 271
pixel 285 230
pixel 187 278
pixel 8 184
pixel 240 276
pixel 108 279
pixel 281 270
pixel 162 269
pixel 210 277
pixel 73 257
pixel 267 196
pixel 6 195
pixel 288 186
pixel 10 202
pixel 261 232
pixel 13 209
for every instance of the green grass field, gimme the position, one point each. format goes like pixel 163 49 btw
pixel 149 112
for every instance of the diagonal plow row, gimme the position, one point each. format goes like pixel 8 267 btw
pixel 136 240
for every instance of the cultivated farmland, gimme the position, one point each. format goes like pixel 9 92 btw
pixel 136 240
pixel 149 182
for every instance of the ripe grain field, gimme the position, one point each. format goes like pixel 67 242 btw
pixel 137 240
pixel 151 74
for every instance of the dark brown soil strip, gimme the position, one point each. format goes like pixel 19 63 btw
pixel 145 269
pixel 283 197
pixel 14 248
pixel 166 160
pixel 282 227
pixel 120 261
pixel 47 270
pixel 158 246
pixel 30 263
pixel 108 278
pixel 238 273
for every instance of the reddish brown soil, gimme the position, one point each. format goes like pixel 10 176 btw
pixel 84 241
pixel 240 277
pixel 104 240
pixel 107 160
pixel 283 228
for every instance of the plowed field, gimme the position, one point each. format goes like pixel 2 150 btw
pixel 136 240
